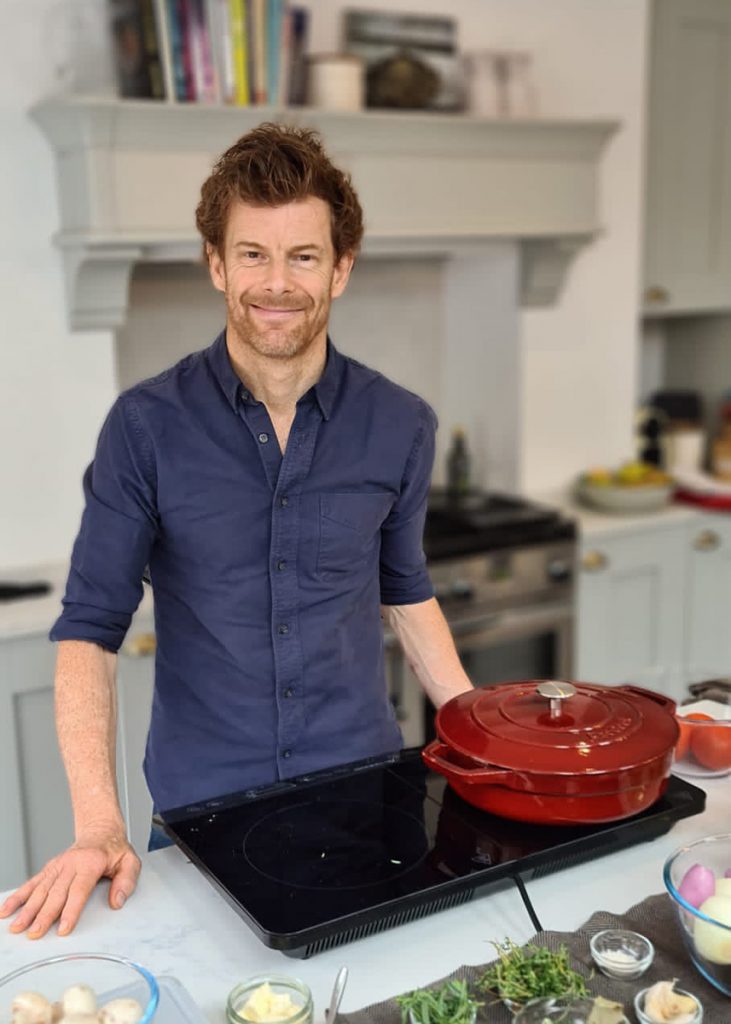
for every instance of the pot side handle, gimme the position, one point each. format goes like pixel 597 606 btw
pixel 437 756
pixel 659 698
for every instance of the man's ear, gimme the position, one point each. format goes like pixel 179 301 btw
pixel 216 267
pixel 341 274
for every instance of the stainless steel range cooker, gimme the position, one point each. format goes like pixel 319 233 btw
pixel 503 571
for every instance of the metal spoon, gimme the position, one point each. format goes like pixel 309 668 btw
pixel 337 995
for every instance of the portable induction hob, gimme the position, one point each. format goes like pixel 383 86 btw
pixel 317 861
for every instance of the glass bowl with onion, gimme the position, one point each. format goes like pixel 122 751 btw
pixel 107 989
pixel 698 879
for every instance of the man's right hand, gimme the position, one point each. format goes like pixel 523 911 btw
pixel 62 887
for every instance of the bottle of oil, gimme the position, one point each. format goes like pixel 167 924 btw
pixel 458 465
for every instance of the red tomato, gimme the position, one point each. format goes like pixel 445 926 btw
pixel 711 746
pixel 686 731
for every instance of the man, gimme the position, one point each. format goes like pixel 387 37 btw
pixel 276 491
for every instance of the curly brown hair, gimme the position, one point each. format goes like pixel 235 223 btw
pixel 273 165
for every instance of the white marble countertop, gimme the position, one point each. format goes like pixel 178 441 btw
pixel 594 523
pixel 34 616
pixel 177 924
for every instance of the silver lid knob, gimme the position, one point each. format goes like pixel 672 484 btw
pixel 556 691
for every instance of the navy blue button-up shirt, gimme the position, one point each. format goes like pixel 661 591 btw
pixel 267 570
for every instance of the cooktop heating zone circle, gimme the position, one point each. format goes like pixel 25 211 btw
pixel 335 844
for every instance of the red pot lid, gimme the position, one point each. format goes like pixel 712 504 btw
pixel 557 727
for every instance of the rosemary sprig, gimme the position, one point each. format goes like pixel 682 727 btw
pixel 450 1003
pixel 531 972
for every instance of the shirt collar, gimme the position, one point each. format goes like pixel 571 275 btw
pixel 325 389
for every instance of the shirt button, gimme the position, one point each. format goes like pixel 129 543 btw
pixel 283 628
pixel 286 753
pixel 281 565
pixel 289 692
pixel 284 502
pixel 263 438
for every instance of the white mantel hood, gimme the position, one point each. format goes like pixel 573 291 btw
pixel 129 175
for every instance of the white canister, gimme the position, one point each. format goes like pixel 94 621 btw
pixel 336 81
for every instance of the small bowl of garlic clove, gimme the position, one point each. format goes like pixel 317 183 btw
pixel 663 1003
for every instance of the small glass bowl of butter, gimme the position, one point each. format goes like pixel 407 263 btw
pixel 270 999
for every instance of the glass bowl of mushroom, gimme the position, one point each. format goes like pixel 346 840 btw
pixel 79 988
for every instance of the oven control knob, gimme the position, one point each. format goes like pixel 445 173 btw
pixel 462 590
pixel 559 570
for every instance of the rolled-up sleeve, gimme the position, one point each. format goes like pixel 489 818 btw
pixel 403 573
pixel 118 529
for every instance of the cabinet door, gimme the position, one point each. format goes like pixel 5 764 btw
pixel 630 610
pixel 688 184
pixel 708 598
pixel 35 808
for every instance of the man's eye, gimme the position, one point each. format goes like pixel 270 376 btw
pixel 251 255
pixel 305 257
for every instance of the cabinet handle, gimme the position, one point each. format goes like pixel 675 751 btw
pixel 141 646
pixel 707 540
pixel 655 295
pixel 594 561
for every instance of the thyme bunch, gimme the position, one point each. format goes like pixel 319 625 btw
pixel 531 972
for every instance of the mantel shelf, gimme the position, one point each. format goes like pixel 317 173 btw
pixel 129 175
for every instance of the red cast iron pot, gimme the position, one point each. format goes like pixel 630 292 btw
pixel 554 752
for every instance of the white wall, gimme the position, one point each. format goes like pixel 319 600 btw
pixel 579 359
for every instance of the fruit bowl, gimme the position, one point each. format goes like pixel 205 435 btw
pixel 698 879
pixel 632 488
pixel 109 977
pixel 703 749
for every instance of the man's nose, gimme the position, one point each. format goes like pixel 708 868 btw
pixel 278 275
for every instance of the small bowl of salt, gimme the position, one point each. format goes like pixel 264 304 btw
pixel 620 954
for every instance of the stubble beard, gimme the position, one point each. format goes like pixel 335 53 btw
pixel 278 342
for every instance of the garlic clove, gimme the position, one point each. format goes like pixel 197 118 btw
pixel 31 1008
pixel 663 1005
pixel 79 1018
pixel 78 999
pixel 121 1011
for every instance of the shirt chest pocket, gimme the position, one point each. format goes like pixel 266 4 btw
pixel 350 527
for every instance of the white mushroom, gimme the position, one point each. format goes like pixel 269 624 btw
pixel 79 1018
pixel 31 1008
pixel 121 1011
pixel 78 999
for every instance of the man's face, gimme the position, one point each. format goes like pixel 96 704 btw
pixel 279 275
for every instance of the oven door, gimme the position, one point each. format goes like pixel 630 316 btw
pixel 532 642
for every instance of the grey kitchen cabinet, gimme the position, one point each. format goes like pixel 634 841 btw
pixel 35 808
pixel 688 184
pixel 708 597
pixel 631 608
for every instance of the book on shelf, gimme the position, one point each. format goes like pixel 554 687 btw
pixel 237 52
pixel 136 49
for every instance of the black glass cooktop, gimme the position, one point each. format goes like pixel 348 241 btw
pixel 486 521
pixel 324 859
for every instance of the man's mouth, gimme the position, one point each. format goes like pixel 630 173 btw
pixel 274 313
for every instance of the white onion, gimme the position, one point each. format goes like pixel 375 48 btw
pixel 711 941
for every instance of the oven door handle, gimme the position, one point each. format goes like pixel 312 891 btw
pixel 469 626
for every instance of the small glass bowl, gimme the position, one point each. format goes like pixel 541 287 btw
pixel 110 977
pixel 566 1009
pixel 280 984
pixel 621 954
pixel 644 1019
